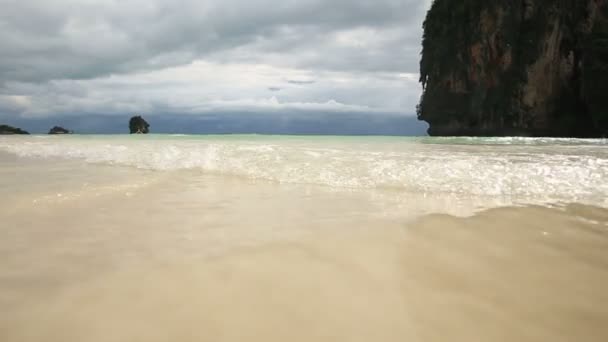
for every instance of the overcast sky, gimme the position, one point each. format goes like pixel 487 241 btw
pixel 195 57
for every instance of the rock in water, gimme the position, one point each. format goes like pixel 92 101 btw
pixel 528 68
pixel 137 125
pixel 6 129
pixel 59 130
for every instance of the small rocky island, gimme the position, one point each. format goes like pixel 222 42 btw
pixel 6 129
pixel 59 130
pixel 520 68
pixel 137 125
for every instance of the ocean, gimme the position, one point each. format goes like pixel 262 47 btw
pixel 302 238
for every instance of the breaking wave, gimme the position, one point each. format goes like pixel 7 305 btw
pixel 550 169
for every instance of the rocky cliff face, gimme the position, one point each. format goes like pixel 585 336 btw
pixel 137 125
pixel 515 67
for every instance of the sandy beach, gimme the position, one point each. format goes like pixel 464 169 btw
pixel 103 250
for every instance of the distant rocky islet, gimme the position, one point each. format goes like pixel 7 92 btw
pixel 137 125
pixel 59 130
pixel 10 130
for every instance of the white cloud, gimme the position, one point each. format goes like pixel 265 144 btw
pixel 203 87
pixel 66 57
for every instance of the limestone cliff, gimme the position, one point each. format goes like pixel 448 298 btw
pixel 515 67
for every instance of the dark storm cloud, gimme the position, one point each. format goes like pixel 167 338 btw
pixel 80 39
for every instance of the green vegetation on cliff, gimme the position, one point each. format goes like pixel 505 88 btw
pixel 503 67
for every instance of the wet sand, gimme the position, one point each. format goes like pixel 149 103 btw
pixel 137 255
pixel 541 276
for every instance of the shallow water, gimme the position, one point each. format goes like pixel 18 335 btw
pixel 113 238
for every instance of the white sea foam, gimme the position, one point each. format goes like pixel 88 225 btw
pixel 552 170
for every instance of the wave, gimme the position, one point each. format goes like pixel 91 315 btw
pixel 559 171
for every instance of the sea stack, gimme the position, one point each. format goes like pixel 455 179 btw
pixel 59 130
pixel 523 68
pixel 137 125
pixel 6 129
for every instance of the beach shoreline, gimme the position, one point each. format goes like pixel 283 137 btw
pixel 106 250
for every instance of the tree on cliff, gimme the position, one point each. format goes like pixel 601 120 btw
pixel 137 125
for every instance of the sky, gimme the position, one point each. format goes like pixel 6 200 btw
pixel 86 62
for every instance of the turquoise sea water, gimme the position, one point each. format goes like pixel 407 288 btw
pixel 355 138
